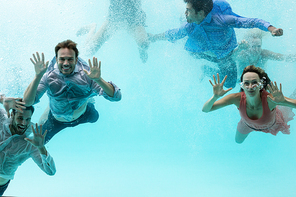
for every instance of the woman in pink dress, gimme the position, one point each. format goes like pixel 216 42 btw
pixel 259 109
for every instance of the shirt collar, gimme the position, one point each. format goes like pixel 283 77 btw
pixel 208 18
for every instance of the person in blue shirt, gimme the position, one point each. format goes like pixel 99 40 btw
pixel 69 83
pixel 210 30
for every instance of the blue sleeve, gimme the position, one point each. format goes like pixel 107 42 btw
pixel 176 34
pixel 243 22
pixel 231 19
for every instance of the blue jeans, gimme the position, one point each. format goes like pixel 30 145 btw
pixel 3 188
pixel 54 126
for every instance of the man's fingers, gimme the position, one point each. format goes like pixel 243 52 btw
pixel 34 56
pixel 32 61
pixel 46 64
pixel 89 62
pixel 38 56
pixel 19 109
pixel 86 72
pixel 42 57
pixel 33 129
pixel 95 62
pixel 20 106
pixel 44 134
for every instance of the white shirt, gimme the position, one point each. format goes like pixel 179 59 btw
pixel 14 151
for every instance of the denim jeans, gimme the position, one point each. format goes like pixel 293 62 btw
pixel 54 126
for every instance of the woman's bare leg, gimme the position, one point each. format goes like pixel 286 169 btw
pixel 240 138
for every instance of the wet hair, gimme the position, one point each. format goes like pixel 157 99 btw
pixel 14 111
pixel 261 73
pixel 198 5
pixel 67 44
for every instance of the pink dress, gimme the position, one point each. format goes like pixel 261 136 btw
pixel 270 121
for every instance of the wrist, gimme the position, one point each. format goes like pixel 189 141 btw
pixel 271 28
pixel 41 147
pixel 42 150
pixel 98 80
pixel 215 96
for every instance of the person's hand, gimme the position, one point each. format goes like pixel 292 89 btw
pixel 218 87
pixel 39 65
pixel 277 32
pixel 243 45
pixel 95 69
pixel 13 103
pixel 277 94
pixel 38 138
pixel 291 58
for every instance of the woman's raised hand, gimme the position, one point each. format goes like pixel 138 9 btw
pixel 218 87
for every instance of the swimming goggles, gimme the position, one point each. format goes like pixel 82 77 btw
pixel 251 86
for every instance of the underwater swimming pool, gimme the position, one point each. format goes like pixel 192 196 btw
pixel 156 141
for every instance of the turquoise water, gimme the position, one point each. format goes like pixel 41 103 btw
pixel 155 142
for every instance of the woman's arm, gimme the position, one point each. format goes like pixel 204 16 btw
pixel 214 104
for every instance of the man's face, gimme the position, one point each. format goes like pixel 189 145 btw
pixel 66 60
pixel 21 121
pixel 192 16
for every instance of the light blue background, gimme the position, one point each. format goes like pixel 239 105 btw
pixel 155 142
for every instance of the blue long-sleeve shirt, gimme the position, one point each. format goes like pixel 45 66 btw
pixel 69 92
pixel 215 33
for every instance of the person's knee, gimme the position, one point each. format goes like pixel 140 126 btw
pixel 240 137
pixel 94 118
pixel 239 141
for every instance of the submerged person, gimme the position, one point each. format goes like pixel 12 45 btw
pixel 210 30
pixel 253 54
pixel 122 13
pixel 16 146
pixel 69 83
pixel 259 110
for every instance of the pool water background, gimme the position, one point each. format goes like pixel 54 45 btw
pixel 155 141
